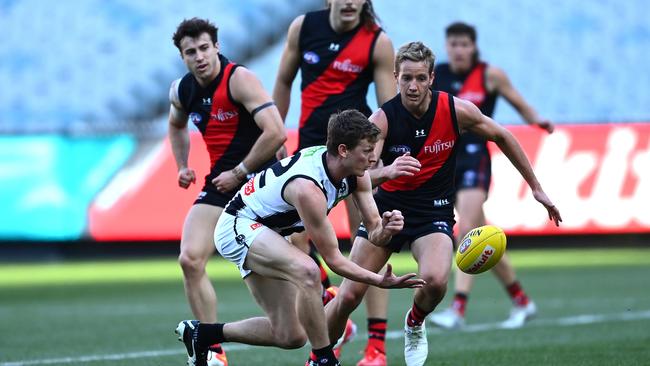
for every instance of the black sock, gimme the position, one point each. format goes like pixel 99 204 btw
pixel 210 334
pixel 325 352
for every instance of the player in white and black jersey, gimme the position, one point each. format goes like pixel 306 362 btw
pixel 292 195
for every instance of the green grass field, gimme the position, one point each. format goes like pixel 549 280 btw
pixel 594 309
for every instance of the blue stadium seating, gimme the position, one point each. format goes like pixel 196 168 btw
pixel 102 64
pixel 99 64
pixel 573 61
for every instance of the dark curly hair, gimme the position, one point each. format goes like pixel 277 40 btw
pixel 193 28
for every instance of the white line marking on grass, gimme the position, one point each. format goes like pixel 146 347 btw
pixel 566 321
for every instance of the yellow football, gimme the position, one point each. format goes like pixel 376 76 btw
pixel 481 249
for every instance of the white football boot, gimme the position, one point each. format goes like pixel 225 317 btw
pixel 416 347
pixel 519 315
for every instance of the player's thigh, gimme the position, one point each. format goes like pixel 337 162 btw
pixel 469 204
pixel 433 253
pixel 198 230
pixel 271 255
pixel 277 298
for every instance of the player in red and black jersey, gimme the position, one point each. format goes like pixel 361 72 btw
pixel 339 52
pixel 418 142
pixel 242 130
pixel 469 78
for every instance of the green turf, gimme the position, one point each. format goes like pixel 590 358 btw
pixel 109 311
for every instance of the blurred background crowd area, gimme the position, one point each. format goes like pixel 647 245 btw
pixel 83 107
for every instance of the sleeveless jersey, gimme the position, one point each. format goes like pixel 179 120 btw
pixel 469 86
pixel 336 70
pixel 262 198
pixel 429 194
pixel 228 129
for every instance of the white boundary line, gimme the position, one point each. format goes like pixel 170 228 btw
pixel 566 322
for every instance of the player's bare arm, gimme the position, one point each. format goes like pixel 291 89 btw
pixel 289 64
pixel 405 165
pixel 247 90
pixel 380 228
pixel 471 119
pixel 498 81
pixel 383 63
pixel 179 137
pixel 312 208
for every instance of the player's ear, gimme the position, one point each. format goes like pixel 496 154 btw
pixel 343 150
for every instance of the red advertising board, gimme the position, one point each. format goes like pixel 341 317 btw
pixel 598 176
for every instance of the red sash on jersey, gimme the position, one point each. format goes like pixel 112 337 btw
pixel 473 89
pixel 435 152
pixel 224 118
pixel 333 81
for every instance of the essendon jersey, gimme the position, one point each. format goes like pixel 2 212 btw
pixel 431 139
pixel 469 86
pixel 228 129
pixel 336 70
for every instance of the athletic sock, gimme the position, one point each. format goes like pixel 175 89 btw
pixel 209 334
pixel 377 334
pixel 460 303
pixel 416 316
pixel 517 294
pixel 323 355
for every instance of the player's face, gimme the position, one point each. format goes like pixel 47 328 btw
pixel 414 81
pixel 347 11
pixel 460 50
pixel 200 56
pixel 361 158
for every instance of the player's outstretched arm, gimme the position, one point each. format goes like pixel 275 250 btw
pixel 470 118
pixel 312 208
pixel 179 137
pixel 289 64
pixel 500 82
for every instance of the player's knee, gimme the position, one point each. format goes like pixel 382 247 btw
pixel 191 263
pixel 350 299
pixel 307 274
pixel 435 284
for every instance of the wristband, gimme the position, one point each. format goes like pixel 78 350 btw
pixel 243 168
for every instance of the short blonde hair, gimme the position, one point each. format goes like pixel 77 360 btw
pixel 416 52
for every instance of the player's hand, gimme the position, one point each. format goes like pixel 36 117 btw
pixel 404 165
pixel 186 176
pixel 281 153
pixel 226 181
pixel 406 281
pixel 546 125
pixel 392 222
pixel 553 212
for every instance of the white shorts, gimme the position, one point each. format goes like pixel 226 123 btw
pixel 233 236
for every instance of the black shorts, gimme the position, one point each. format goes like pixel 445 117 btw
pixel 211 196
pixel 473 167
pixel 411 233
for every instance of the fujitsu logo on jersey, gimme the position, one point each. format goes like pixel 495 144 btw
pixel 222 115
pixel 347 66
pixel 472 96
pixel 438 146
